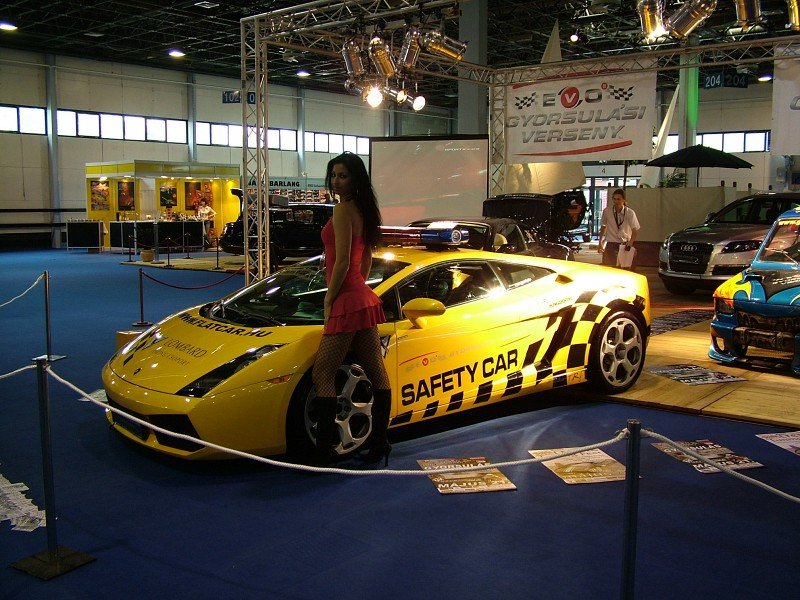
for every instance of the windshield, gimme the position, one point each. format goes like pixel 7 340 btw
pixel 783 245
pixel 292 296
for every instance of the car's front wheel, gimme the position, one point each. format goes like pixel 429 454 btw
pixel 616 354
pixel 353 414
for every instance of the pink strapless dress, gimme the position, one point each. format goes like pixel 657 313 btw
pixel 356 306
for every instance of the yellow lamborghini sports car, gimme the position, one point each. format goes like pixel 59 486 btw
pixel 464 328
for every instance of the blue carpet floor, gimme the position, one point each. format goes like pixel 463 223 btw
pixel 236 529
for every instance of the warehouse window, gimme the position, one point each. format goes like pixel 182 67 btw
pixel 31 120
pixel 8 118
pixel 111 127
pixel 88 125
pixel 176 131
pixel 67 123
pixel 135 128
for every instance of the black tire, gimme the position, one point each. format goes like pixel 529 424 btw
pixel 678 288
pixel 617 352
pixel 353 414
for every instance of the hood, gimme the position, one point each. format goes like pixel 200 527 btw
pixel 715 233
pixel 186 346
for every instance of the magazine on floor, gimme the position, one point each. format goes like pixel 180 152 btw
pixel 713 451
pixel 693 374
pixel 788 440
pixel 489 480
pixel 590 466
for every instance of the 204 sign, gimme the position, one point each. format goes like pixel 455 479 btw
pixel 716 79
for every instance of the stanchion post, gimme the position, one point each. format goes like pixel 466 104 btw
pixel 56 560
pixel 130 248
pixel 141 322
pixel 168 242
pixel 216 243
pixel 631 509
pixel 185 246
pixel 48 331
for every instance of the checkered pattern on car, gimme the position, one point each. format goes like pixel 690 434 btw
pixel 565 343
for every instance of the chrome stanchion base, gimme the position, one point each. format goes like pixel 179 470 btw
pixel 46 566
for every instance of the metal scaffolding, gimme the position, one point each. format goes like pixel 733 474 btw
pixel 321 27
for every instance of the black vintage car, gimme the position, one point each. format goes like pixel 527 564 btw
pixel 499 234
pixel 294 227
pixel 555 218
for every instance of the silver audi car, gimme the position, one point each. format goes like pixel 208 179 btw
pixel 703 256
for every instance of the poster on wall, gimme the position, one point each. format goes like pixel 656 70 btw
pixel 126 197
pixel 785 137
pixel 168 196
pixel 194 191
pixel 605 117
pixel 98 196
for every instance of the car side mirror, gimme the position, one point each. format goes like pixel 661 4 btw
pixel 418 309
pixel 709 216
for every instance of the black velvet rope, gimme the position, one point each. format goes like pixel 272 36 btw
pixel 200 287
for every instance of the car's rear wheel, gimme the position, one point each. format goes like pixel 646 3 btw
pixel 616 354
pixel 353 414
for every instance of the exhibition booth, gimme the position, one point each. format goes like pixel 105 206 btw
pixel 150 205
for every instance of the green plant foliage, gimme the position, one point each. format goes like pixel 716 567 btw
pixel 675 179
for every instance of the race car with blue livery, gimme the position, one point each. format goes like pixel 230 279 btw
pixel 757 312
pixel 465 328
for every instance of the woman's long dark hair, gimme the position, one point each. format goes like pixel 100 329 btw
pixel 363 194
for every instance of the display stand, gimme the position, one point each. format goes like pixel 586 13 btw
pixel 85 235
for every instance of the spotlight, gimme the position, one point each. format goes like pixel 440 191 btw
pixel 574 36
pixel 688 17
pixel 748 13
pixel 651 14
pixel 303 73
pixel 436 42
pixel 176 53
pixel 374 96
pixel 417 103
pixel 399 96
pixel 382 59
pixel 765 77
pixel 409 53
pixel 352 59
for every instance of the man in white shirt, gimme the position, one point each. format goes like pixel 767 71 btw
pixel 618 227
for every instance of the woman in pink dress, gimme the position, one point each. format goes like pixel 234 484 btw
pixel 352 310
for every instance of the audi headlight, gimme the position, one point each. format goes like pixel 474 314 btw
pixel 745 246
pixel 201 386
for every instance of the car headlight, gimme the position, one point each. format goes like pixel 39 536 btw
pixel 665 244
pixel 201 386
pixel 723 306
pixel 746 246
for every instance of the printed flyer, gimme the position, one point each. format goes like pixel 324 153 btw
pixel 708 449
pixel 469 482
pixel 590 466
pixel 789 440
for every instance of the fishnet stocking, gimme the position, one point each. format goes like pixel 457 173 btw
pixel 332 350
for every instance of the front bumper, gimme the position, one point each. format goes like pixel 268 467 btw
pixel 729 342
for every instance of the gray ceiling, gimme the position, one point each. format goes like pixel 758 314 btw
pixel 141 32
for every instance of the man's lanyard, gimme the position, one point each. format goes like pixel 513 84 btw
pixel 619 217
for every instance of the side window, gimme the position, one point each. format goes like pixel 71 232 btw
pixel 517 275
pixel 451 284
pixel 738 213
pixel 514 237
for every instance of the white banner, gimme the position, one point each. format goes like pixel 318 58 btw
pixel 605 117
pixel 786 104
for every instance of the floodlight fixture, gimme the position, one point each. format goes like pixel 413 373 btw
pixel 381 57
pixel 651 14
pixel 176 53
pixel 438 43
pixel 351 52
pixel 374 96
pixel 6 26
pixel 688 17
pixel 399 96
pixel 748 13
pixel 409 52
pixel 794 14
pixel 574 36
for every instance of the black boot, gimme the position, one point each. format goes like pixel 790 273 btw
pixel 327 437
pixel 379 446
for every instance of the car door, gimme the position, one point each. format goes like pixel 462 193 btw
pixel 467 356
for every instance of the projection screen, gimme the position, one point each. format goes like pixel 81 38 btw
pixel 421 177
